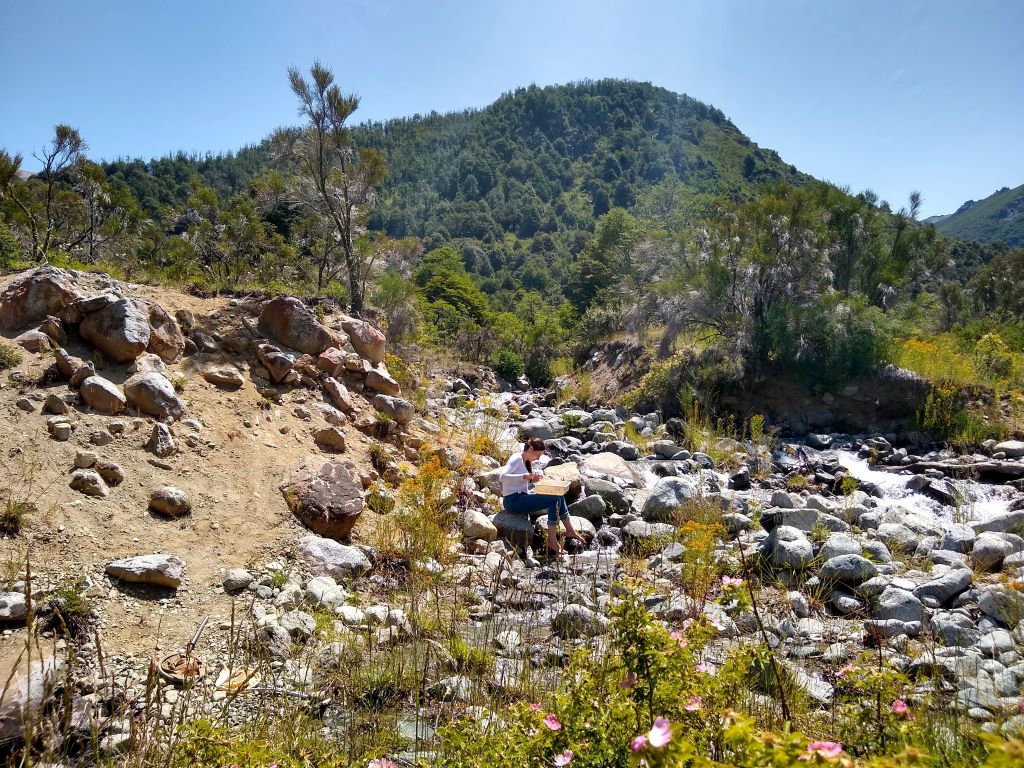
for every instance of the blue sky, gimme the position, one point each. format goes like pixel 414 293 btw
pixel 892 96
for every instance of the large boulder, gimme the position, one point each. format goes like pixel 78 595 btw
pixel 102 396
pixel 365 339
pixel 154 395
pixel 1014 449
pixel 942 589
pixel 292 324
pixel 159 570
pixel 326 557
pixel 41 292
pixel 849 570
pixel 1003 602
pixel 898 604
pixel 666 497
pixel 612 494
pixel 325 495
pixel 165 337
pixel 26 690
pixel 120 330
pixel 477 525
pixel 399 410
pixel 608 464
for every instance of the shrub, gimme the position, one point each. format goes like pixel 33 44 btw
pixel 13 516
pixel 508 364
pixel 993 358
pixel 10 356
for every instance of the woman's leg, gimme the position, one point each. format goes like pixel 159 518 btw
pixel 559 509
pixel 524 503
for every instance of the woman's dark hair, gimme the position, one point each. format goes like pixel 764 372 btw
pixel 532 444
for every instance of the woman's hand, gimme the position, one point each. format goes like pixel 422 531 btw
pixel 536 476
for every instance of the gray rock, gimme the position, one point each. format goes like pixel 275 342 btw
pixel 275 640
pixel 326 557
pixel 898 538
pixel 1007 522
pixel 882 629
pixel 455 688
pixel 1003 602
pixel 816 688
pixel 958 538
pixel 844 603
pixel 954 629
pixel 537 428
pixel 237 579
pixel 990 548
pixel 227 376
pixel 13 607
pixel 397 408
pixel 576 621
pixel 161 443
pixel 666 497
pixel 897 604
pixel 159 570
pixel 798 602
pixel 641 536
pixel 298 624
pixel 611 493
pixel 592 508
pixel 995 643
pixel 1013 449
pixel 783 500
pixel 170 502
pixel 323 590
pixel 839 544
pixel 477 525
pixel 942 589
pixel 789 548
pixel 120 330
pixel 877 551
pixel 89 482
pixel 851 570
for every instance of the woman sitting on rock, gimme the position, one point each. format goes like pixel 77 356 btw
pixel 520 499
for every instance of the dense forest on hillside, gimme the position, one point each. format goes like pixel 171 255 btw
pixel 522 233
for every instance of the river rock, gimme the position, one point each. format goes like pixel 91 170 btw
pixel 958 538
pixel 290 322
pixel 898 604
pixel 839 544
pixel 575 621
pixel 593 508
pixel 667 496
pixel 643 537
pixel 898 538
pixel 942 589
pixel 954 629
pixel 41 292
pixel 120 330
pixel 154 395
pixel 170 502
pixel 237 579
pixel 325 495
pixel 609 465
pixel 789 548
pixel 102 396
pixel 1003 602
pixel 849 569
pixel 477 525
pixel 165 337
pixel 1014 449
pixel 990 548
pixel 1006 522
pixel 364 338
pixel 327 557
pixel 612 494
pixel 537 428
pixel 400 410
pixel 159 570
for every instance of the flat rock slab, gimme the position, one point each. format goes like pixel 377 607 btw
pixel 158 570
pixel 326 496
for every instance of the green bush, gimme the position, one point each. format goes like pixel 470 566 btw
pixel 508 364
pixel 10 356
pixel 993 358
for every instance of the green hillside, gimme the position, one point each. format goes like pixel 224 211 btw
pixel 536 160
pixel 999 217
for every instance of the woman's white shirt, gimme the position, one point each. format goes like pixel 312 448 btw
pixel 512 476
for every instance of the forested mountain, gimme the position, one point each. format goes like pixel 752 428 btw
pixel 997 218
pixel 536 160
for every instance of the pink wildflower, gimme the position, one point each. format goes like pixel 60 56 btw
pixel 1021 705
pixel 660 734
pixel 716 623
pixel 829 750
pixel 900 708
pixel 535 707
pixel 686 624
pixel 703 668
pixel 728 582
pixel 563 759
pixel 693 704
pixel 680 638
pixel 552 722
pixel 628 681
pixel 638 743
pixel 382 762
